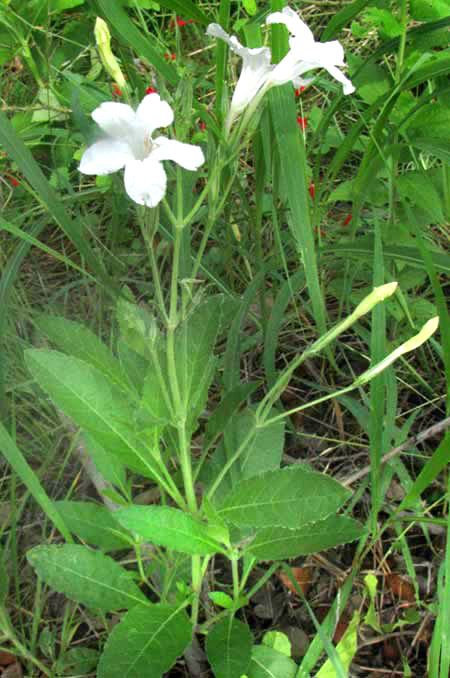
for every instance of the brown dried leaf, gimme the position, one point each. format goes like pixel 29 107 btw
pixel 400 587
pixel 302 575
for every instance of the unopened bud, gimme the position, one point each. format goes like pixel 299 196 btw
pixel 425 333
pixel 378 294
pixel 109 61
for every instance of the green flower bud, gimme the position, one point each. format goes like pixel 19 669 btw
pixel 109 61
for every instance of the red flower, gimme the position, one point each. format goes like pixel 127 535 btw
pixel 347 220
pixel 299 90
pixel 303 122
pixel 170 57
pixel 150 90
pixel 182 22
pixel 116 90
pixel 202 125
pixel 13 181
pixel 312 190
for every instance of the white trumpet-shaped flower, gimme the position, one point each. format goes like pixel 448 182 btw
pixel 305 54
pixel 129 143
pixel 255 69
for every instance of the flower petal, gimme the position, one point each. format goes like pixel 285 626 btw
pixel 104 157
pixel 153 113
pixel 340 77
pixel 216 31
pixel 145 181
pixel 293 23
pixel 115 119
pixel 187 155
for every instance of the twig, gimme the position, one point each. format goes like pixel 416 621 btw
pixel 411 442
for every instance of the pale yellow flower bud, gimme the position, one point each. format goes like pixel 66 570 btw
pixel 109 61
pixel 425 333
pixel 378 294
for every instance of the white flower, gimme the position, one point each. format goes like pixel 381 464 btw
pixel 305 54
pixel 255 69
pixel 129 143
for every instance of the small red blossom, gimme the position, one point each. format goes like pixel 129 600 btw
pixel 150 90
pixel 303 122
pixel 182 22
pixel 347 220
pixel 170 57
pixel 312 190
pixel 202 125
pixel 299 91
pixel 13 181
pixel 116 90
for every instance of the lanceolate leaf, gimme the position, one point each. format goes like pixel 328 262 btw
pixel 87 576
pixel 288 497
pixel 229 647
pixel 169 527
pixel 92 402
pixel 80 342
pixel 146 643
pixel 93 524
pixel 279 544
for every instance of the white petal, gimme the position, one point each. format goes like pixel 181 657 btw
pixel 187 155
pixel 115 119
pixel 104 157
pixel 153 113
pixel 145 181
pixel 293 23
pixel 340 77
pixel 328 53
pixel 216 31
pixel 256 68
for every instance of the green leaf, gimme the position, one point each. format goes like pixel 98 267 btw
pixel 56 6
pixel 289 497
pixel 278 544
pixel 363 247
pixel 194 346
pixel 226 408
pixel 80 342
pixel 263 453
pixel 278 641
pixel 94 524
pixel 292 157
pixel 92 402
pixel 108 465
pixel 169 527
pixel 429 10
pixel 229 648
pixel 4 579
pixel 346 649
pixel 86 576
pixel 221 599
pixel 146 643
pixel 187 9
pixel 250 7
pixel 269 663
pixel 419 190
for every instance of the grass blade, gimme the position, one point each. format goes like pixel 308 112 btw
pixel 20 465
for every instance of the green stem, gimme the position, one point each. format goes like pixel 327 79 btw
pixel 6 628
pixel 148 223
pixel 235 575
pixel 312 403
